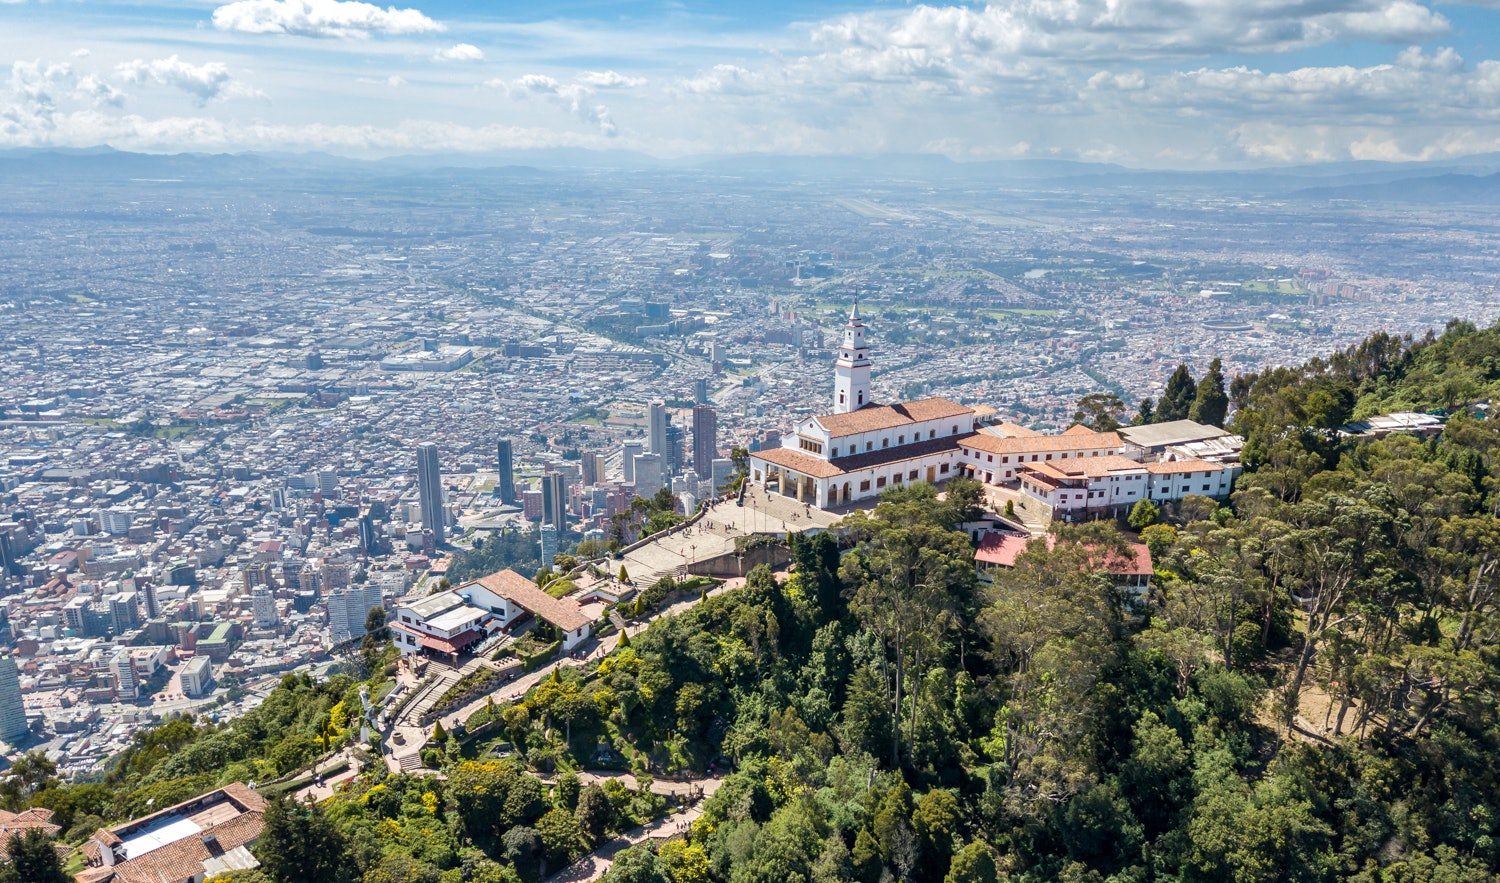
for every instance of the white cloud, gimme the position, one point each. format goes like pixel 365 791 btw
pixel 576 97
pixel 43 87
pixel 320 18
pixel 610 80
pixel 206 82
pixel 724 79
pixel 460 52
pixel 948 39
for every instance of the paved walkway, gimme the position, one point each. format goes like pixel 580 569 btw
pixel 330 784
pixel 597 863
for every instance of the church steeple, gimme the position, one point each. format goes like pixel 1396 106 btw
pixel 851 373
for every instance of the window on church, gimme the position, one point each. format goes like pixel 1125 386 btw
pixel 900 439
pixel 885 443
pixel 943 469
pixel 864 485
pixel 834 452
pixel 932 433
pixel 841 398
pixel 912 475
pixel 869 446
pixel 880 482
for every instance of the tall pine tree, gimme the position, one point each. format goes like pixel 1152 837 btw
pixel 1178 398
pixel 1211 404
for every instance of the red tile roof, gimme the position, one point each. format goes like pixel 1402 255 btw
pixel 561 612
pixel 1076 441
pixel 873 418
pixel 1003 549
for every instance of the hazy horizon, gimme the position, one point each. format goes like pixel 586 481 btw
pixel 1146 84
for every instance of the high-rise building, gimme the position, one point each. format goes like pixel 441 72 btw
pixel 722 471
pixel 628 452
pixel 348 607
pixel 656 428
pixel 549 543
pixel 124 612
pixel 506 486
pixel 116 521
pixel 650 474
pixel 676 448
pixel 369 536
pixel 700 391
pixel 589 465
pixel 263 605
pixel 705 438
pixel 430 490
pixel 555 501
pixel 153 605
pixel 328 483
pixel 12 710
pixel 123 669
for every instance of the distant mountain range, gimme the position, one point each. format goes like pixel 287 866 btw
pixel 1472 180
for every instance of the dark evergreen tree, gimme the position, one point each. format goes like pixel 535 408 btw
pixel 33 860
pixel 300 845
pixel 1211 404
pixel 1177 400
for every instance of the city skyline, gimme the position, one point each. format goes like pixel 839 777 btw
pixel 1208 84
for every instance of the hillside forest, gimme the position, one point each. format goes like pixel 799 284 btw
pixel 1307 694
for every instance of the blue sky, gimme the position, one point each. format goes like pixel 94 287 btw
pixel 1147 83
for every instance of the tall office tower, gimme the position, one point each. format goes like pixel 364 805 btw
pixel 123 669
pixel 549 543
pixel 716 352
pixel 650 474
pixel 656 428
pixel 555 502
pixel 12 711
pixel 348 608
pixel 676 459
pixel 328 483
pixel 116 521
pixel 590 475
pixel 430 490
pixel 153 605
pixel 700 391
pixel 263 606
pixel 506 486
pixel 722 471
pixel 628 452
pixel 705 438
pixel 124 612
pixel 369 536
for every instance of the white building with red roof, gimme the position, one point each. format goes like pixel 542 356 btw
pixel 448 623
pixel 862 448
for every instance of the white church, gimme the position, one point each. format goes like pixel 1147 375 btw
pixel 863 448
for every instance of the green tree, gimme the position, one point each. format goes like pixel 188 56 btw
pixel 595 813
pixel 300 845
pixel 1100 411
pixel 1210 401
pixel 32 860
pixel 1144 413
pixel 1177 399
pixel 1142 515
pixel 974 863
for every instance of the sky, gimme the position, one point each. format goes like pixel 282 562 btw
pixel 1176 84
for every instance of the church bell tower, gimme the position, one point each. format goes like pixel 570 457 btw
pixel 851 373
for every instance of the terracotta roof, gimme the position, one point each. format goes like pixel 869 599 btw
pixel 1042 444
pixel 1006 429
pixel 1095 467
pixel 181 860
pixel 16 824
pixel 817 467
pixel 799 461
pixel 1003 549
pixel 1079 429
pixel 873 418
pixel 1172 467
pixel 561 612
